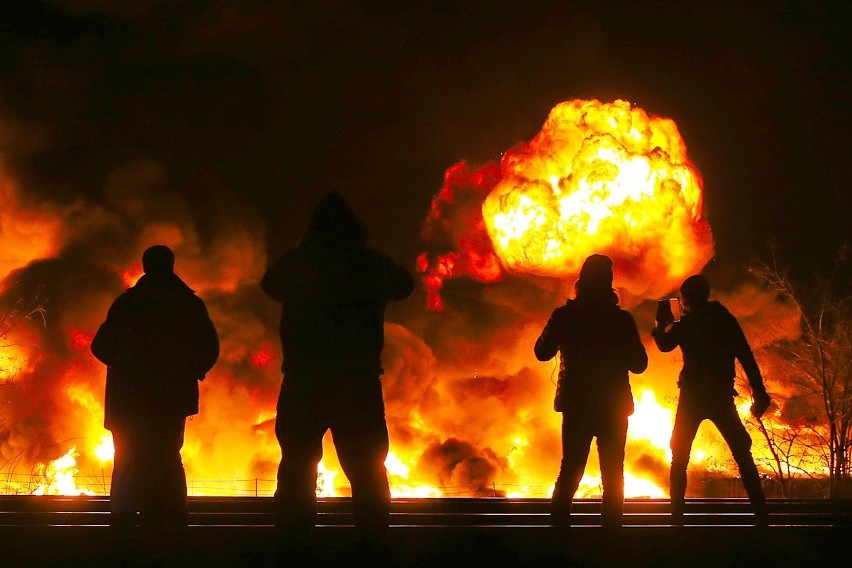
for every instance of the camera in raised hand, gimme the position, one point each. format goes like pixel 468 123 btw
pixel 664 315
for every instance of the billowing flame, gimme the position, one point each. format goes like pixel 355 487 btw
pixel 469 408
pixel 57 477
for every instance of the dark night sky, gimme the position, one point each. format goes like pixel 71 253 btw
pixel 271 103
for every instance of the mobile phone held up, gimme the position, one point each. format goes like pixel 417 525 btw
pixel 668 311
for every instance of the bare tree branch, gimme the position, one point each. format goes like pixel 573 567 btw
pixel 815 370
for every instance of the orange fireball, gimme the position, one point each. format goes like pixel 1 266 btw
pixel 598 178
pixel 607 178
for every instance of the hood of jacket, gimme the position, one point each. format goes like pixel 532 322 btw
pixel 333 221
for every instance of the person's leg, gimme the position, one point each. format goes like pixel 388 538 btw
pixel 361 438
pixel 166 478
pixel 576 441
pixel 612 438
pixel 299 428
pixel 687 420
pixel 733 431
pixel 122 494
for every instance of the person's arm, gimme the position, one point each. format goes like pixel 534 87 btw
pixel 666 337
pixel 111 338
pixel 291 277
pixel 745 356
pixel 401 283
pixel 636 356
pixel 395 281
pixel 272 282
pixel 547 344
pixel 208 342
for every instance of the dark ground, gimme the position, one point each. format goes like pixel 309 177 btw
pixel 638 547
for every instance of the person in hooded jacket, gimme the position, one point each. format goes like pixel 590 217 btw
pixel 158 342
pixel 334 290
pixel 711 341
pixel 599 345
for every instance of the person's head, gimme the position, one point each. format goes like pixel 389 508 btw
pixel 595 275
pixel 695 291
pixel 333 219
pixel 158 259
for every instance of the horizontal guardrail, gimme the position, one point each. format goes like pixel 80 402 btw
pixel 435 512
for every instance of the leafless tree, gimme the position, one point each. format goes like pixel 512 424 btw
pixel 815 370
pixel 25 307
pixel 798 447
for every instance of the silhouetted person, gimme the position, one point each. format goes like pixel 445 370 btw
pixel 334 291
pixel 598 343
pixel 157 341
pixel 711 340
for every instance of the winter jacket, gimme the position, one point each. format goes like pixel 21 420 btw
pixel 334 291
pixel 711 340
pixel 599 344
pixel 157 341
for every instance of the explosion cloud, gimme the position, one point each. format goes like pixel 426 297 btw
pixel 598 178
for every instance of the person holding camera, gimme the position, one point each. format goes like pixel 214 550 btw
pixel 599 345
pixel 711 341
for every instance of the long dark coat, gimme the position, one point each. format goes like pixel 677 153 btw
pixel 157 341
